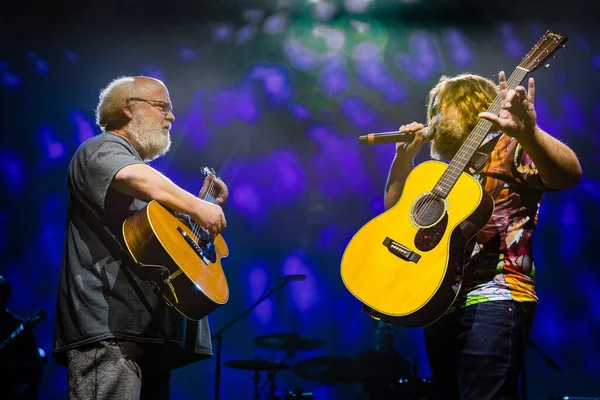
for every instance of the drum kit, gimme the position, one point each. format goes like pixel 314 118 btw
pixel 383 375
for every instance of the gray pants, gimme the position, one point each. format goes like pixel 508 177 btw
pixel 118 370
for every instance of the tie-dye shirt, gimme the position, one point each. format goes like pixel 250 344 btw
pixel 501 265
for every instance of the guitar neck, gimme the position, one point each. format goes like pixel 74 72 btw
pixel 12 336
pixel 474 140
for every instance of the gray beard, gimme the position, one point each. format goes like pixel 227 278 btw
pixel 148 139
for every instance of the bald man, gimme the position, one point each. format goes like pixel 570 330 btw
pixel 116 336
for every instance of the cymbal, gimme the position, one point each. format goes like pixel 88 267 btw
pixel 329 369
pixel 288 342
pixel 256 365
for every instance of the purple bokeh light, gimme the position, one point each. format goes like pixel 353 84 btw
pixel 372 72
pixel 41 66
pixel 358 113
pixel 187 54
pixel 9 79
pixel 74 58
pixel 275 23
pixel 301 57
pixel 333 76
pixel 596 61
pixel 338 169
pixel 84 128
pixel 232 104
pixel 276 82
pixel 572 118
pixel 299 111
pixel 279 181
pixel 461 53
pixel 254 15
pixel 356 6
pixel 245 34
pixel 222 32
pixel 258 280
pixel 423 59
pixel 193 123
pixel 324 10
pixel 305 294
pixel 512 45
pixel 12 170
pixel 54 148
pixel 569 220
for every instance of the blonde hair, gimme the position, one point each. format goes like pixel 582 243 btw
pixel 113 98
pixel 466 94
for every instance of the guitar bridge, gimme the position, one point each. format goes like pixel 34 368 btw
pixel 193 245
pixel 401 251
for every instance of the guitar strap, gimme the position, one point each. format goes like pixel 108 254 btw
pixel 482 154
pixel 157 275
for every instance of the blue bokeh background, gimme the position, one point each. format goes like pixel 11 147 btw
pixel 275 103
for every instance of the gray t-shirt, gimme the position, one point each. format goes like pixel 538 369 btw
pixel 100 297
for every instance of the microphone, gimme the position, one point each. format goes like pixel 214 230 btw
pixel 394 137
pixel 294 277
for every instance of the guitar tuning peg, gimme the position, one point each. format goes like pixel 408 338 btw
pixel 547 66
pixel 554 57
pixel 564 47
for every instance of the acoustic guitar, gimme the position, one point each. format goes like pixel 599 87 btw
pixel 195 284
pixel 406 264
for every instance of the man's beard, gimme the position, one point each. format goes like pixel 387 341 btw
pixel 148 139
pixel 449 136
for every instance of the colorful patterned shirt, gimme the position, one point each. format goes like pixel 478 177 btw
pixel 501 265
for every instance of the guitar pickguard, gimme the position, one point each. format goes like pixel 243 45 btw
pixel 427 238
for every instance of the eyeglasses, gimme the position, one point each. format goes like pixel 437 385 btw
pixel 163 106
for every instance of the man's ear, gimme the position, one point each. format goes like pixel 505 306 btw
pixel 127 112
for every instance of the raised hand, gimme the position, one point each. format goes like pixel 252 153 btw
pixel 517 116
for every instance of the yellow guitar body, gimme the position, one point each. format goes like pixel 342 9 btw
pixel 406 266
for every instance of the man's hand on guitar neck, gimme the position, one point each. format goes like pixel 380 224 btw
pixel 219 191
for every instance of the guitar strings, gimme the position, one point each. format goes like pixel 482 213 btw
pixel 207 197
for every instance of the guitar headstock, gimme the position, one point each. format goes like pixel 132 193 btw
pixel 209 171
pixel 36 318
pixel 543 50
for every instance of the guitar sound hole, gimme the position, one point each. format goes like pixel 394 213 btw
pixel 427 210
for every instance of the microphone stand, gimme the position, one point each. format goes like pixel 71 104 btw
pixel 546 357
pixel 219 335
